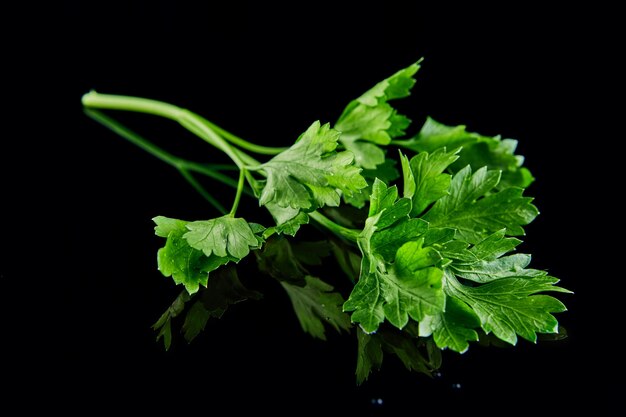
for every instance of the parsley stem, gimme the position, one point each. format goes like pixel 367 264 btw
pixel 252 147
pixel 157 152
pixel 240 185
pixel 186 118
pixel 350 234
pixel 179 163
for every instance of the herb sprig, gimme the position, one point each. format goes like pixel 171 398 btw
pixel 423 227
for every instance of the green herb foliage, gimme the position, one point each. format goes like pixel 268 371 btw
pixel 423 226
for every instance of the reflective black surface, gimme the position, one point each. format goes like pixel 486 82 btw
pixel 265 73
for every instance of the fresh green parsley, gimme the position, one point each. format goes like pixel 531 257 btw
pixel 424 227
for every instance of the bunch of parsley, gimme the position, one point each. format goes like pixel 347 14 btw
pixel 430 263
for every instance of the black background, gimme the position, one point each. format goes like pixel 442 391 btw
pixel 85 271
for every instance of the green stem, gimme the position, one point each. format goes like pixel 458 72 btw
pixel 146 145
pixel 350 234
pixel 186 118
pixel 252 147
pixel 242 176
pixel 205 130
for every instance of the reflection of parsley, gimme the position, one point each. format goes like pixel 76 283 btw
pixel 429 265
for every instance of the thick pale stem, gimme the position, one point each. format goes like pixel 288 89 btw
pixel 187 119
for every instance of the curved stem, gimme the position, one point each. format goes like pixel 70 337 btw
pixel 350 234
pixel 252 147
pixel 152 149
pixel 194 124
pixel 186 118
pixel 240 185
pixel 135 104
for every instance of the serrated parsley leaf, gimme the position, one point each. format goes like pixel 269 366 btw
pixel 508 307
pixel 315 304
pixel 452 328
pixel 394 227
pixel 165 226
pixel 288 220
pixel 394 283
pixel 370 119
pixel 366 154
pixel 386 172
pixel 499 298
pixel 411 287
pixel 415 289
pixel 186 265
pixel 431 183
pixel 475 211
pixel 223 236
pixel 484 262
pixel 311 174
pixel 367 298
pixel 477 151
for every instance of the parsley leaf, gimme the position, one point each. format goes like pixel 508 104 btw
pixel 394 227
pixel 288 220
pixel 477 151
pixel 507 306
pixel 398 277
pixel 417 286
pixel 193 249
pixel 426 173
pixel 310 174
pixel 370 120
pixel 500 299
pixel 475 211
pixel 385 172
pixel 484 261
pixel 223 236
pixel 411 286
pixel 453 328
pixel 186 265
